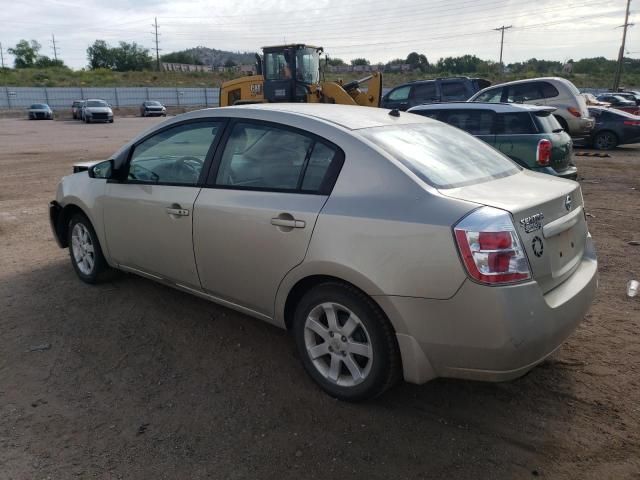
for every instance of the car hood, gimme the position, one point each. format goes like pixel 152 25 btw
pixel 98 109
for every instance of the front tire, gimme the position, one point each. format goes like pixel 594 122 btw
pixel 85 252
pixel 605 140
pixel 346 343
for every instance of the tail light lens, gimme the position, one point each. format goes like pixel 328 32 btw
pixel 635 123
pixel 543 155
pixel 574 111
pixel 490 248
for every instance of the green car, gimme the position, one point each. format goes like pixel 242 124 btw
pixel 528 134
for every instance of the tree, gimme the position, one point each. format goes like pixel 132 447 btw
pixel 335 62
pixel 123 58
pixel 418 61
pixel 25 53
pixel 100 55
pixel 45 62
pixel 229 63
pixel 359 61
pixel 181 57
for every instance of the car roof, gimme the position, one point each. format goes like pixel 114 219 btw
pixel 351 117
pixel 496 107
pixel 561 80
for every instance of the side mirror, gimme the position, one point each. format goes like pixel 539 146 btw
pixel 101 170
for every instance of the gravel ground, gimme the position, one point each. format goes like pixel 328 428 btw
pixel 132 379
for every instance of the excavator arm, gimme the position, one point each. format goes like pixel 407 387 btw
pixel 352 93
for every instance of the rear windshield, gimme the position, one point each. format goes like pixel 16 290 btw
pixel 547 123
pixel 440 155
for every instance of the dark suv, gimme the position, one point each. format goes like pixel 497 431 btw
pixel 450 89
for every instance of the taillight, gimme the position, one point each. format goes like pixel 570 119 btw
pixel 574 111
pixel 543 155
pixel 490 248
pixel 635 123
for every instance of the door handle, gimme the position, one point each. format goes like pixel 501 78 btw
pixel 180 212
pixel 288 223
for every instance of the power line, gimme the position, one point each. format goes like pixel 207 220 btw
pixel 616 79
pixel 53 46
pixel 502 29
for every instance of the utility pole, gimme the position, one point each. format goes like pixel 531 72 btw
pixel 55 49
pixel 616 79
pixel 1 55
pixel 155 25
pixel 502 29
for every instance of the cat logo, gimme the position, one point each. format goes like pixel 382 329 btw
pixel 256 89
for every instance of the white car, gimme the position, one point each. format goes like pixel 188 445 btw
pixel 571 107
pixel 95 110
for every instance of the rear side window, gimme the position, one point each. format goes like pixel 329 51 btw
pixel 266 157
pixel 549 91
pixel 400 94
pixel 490 96
pixel 440 155
pixel 519 123
pixel 476 122
pixel 424 92
pixel 547 123
pixel 524 92
pixel 452 91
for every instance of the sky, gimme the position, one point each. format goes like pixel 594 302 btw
pixel 378 30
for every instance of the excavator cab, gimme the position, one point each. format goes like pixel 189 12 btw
pixel 289 71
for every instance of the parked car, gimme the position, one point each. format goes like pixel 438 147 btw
pixel 635 93
pixel 571 107
pixel 630 96
pixel 448 89
pixel 592 101
pixel 40 111
pixel 151 107
pixel 528 134
pixel 388 243
pixel 95 110
pixel 76 109
pixel 613 128
pixel 619 103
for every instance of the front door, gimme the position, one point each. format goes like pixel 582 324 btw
pixel 254 220
pixel 148 216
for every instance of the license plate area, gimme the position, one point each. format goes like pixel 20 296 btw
pixel 566 249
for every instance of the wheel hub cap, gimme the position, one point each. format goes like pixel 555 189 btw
pixel 82 248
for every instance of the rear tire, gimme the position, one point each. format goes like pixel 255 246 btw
pixel 345 342
pixel 85 252
pixel 605 140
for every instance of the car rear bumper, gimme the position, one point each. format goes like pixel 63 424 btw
pixel 490 333
pixel 581 127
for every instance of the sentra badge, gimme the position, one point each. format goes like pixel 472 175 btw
pixel 532 223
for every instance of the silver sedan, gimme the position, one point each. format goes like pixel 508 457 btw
pixel 390 245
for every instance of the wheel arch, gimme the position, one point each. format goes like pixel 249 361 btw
pixel 62 226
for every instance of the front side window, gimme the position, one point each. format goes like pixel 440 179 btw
pixel 266 157
pixel 440 155
pixel 173 156
pixel 276 66
pixel 400 94
pixel 454 91
pixel 475 122
pixel 490 96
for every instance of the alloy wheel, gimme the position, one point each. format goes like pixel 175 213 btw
pixel 338 344
pixel 605 141
pixel 82 248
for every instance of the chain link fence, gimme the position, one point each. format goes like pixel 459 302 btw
pixel 62 98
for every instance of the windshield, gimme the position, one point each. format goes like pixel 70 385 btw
pixel 276 66
pixel 152 103
pixel 97 103
pixel 440 155
pixel 39 106
pixel 308 65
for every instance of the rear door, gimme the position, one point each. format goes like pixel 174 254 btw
pixel 397 98
pixel 455 90
pixel 527 92
pixel 254 220
pixel 422 93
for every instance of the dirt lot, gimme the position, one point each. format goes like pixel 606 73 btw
pixel 136 380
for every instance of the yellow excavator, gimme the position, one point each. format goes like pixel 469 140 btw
pixel 291 73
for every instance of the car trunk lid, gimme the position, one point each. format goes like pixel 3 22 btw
pixel 548 215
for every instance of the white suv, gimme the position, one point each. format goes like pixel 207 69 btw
pixel 571 107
